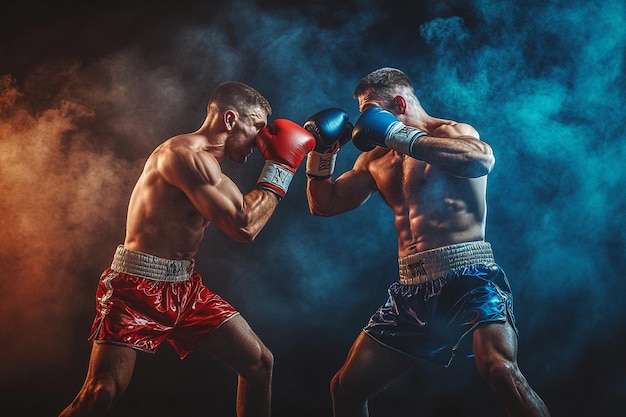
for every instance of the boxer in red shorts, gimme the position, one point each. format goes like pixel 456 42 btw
pixel 151 292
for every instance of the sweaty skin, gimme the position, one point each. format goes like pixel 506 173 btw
pixel 182 190
pixel 433 206
pixel 437 197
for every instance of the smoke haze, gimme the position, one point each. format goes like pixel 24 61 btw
pixel 87 94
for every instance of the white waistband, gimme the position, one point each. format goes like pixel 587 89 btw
pixel 435 263
pixel 150 266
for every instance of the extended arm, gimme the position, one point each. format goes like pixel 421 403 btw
pixel 330 197
pixel 326 196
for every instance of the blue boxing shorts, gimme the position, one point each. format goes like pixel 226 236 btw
pixel 442 296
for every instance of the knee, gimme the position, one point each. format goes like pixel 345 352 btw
pixel 335 386
pixel 95 397
pixel 103 394
pixel 260 369
pixel 504 377
pixel 266 362
pixel 341 392
pixel 347 398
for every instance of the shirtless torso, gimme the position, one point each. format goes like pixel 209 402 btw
pixel 434 204
pixel 432 173
pixel 181 190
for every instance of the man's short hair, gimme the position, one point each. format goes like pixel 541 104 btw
pixel 383 84
pixel 240 97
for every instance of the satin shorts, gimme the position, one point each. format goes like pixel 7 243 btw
pixel 430 320
pixel 142 313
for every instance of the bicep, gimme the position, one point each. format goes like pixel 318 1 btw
pixel 239 216
pixel 215 196
pixel 465 139
pixel 219 200
pixel 456 149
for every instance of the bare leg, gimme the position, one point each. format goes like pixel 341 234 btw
pixel 495 349
pixel 110 370
pixel 369 367
pixel 237 345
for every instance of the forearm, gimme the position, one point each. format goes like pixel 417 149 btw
pixel 257 207
pixel 319 196
pixel 332 197
pixel 464 157
pixel 454 147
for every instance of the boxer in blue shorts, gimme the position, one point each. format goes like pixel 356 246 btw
pixel 432 173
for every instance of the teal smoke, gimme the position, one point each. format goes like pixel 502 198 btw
pixel 542 81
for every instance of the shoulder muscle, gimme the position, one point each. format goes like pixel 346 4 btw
pixel 454 130
pixel 184 168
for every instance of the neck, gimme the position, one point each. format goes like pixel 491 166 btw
pixel 416 117
pixel 211 138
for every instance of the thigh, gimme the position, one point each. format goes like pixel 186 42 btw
pixel 111 364
pixel 370 366
pixel 235 343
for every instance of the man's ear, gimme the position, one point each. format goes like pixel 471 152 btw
pixel 399 105
pixel 230 119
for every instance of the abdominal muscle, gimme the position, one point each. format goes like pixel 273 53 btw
pixel 422 233
pixel 431 208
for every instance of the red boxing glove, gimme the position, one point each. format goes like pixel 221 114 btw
pixel 283 144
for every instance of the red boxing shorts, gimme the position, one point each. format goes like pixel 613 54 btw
pixel 143 300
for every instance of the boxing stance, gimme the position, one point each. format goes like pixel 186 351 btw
pixel 451 297
pixel 152 293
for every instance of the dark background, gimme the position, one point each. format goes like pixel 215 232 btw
pixel 88 89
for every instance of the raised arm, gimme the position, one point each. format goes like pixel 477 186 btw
pixel 454 148
pixel 327 197
pixel 350 190
pixel 283 145
pixel 215 196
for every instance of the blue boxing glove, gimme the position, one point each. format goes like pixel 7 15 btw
pixel 378 127
pixel 331 130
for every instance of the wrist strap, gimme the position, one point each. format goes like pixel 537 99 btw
pixel 275 177
pixel 319 165
pixel 402 137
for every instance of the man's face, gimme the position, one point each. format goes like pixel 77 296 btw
pixel 243 139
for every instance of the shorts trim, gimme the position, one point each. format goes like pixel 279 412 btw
pixel 122 344
pixel 374 338
pixel 153 351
